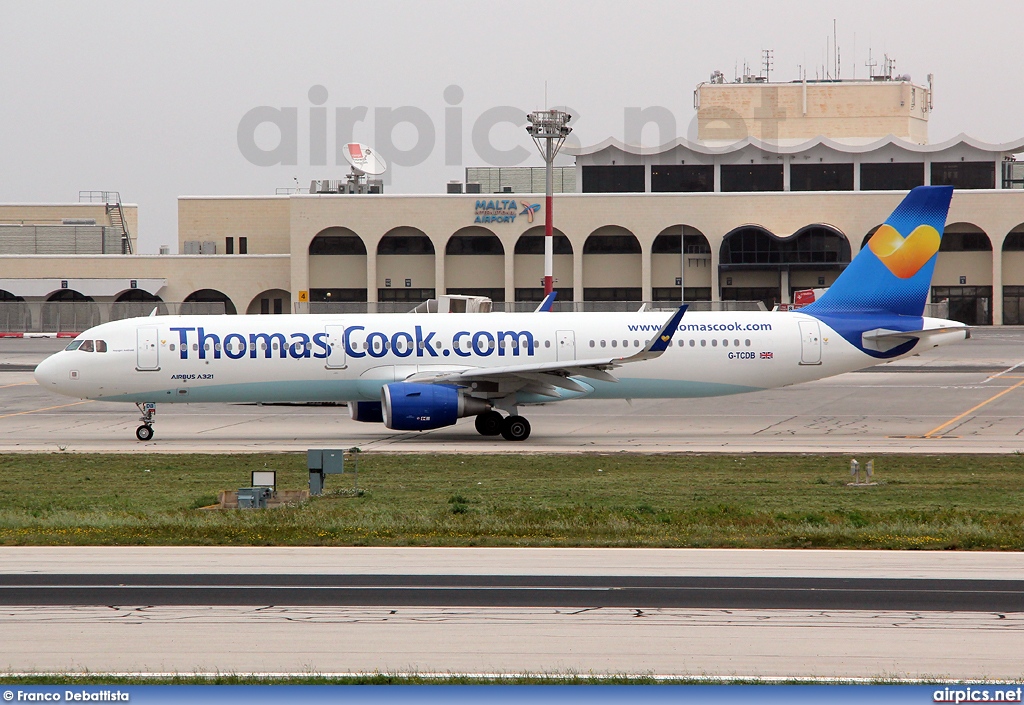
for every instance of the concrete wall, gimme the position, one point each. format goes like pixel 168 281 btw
pixel 239 277
pixel 263 220
pixel 734 111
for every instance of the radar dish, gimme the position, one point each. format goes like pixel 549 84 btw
pixel 364 160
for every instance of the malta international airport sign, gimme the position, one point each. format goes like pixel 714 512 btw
pixel 503 210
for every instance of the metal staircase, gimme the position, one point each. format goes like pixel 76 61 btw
pixel 112 200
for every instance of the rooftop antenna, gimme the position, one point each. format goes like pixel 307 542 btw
pixel 767 63
pixel 855 56
pixel 835 47
pixel 871 64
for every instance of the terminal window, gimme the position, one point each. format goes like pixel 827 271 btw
pixel 891 176
pixel 752 177
pixel 964 174
pixel 682 178
pixel 821 177
pixel 613 179
pixel 612 293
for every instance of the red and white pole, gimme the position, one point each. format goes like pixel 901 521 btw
pixel 549 240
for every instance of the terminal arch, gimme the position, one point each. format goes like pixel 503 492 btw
pixel 672 247
pixel 963 274
pixel 69 311
pixel 1013 276
pixel 405 266
pixel 337 267
pixel 133 303
pixel 207 301
pixel 612 267
pixel 271 301
pixel 15 314
pixel 964 237
pixel 475 263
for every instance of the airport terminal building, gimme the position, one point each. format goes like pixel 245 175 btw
pixel 783 186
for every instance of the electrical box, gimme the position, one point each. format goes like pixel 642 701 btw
pixel 321 462
pixel 253 497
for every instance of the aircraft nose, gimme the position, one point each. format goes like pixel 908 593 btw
pixel 46 372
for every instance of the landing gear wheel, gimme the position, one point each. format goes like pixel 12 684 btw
pixel 144 432
pixel 515 428
pixel 489 423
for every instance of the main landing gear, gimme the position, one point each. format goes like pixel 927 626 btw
pixel 512 428
pixel 148 411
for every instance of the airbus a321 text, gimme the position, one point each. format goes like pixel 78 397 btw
pixel 420 372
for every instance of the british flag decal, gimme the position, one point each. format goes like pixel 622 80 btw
pixel 767 355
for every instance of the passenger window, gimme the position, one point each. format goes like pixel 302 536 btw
pixel 101 346
pixel 171 347
pixel 714 343
pixel 591 343
pixel 636 343
pixel 736 343
pixel 725 343
pixel 747 342
pixel 692 342
pixel 87 346
pixel 703 343
pixel 252 346
pixel 602 343
pixel 615 343
pixel 195 346
pixel 75 344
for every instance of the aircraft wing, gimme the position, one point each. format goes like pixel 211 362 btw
pixel 546 378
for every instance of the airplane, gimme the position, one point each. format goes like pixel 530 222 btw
pixel 416 372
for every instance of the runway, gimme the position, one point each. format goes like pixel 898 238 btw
pixel 585 592
pixel 785 620
pixel 963 398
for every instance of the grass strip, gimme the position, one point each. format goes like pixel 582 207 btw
pixel 756 501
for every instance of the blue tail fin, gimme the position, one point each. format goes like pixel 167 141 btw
pixel 893 273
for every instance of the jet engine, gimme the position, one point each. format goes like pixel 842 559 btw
pixel 409 406
pixel 366 411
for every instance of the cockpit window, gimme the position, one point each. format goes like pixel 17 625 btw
pixel 101 346
pixel 87 346
pixel 75 344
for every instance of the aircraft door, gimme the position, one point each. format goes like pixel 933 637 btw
pixel 810 343
pixel 336 341
pixel 566 345
pixel 147 349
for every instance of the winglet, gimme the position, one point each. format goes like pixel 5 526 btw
pixel 664 337
pixel 547 303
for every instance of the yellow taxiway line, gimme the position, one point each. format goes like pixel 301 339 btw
pixel 47 408
pixel 953 420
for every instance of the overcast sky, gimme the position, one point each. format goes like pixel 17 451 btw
pixel 147 98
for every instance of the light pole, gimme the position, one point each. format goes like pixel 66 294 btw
pixel 550 127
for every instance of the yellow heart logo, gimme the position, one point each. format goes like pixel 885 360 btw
pixel 665 338
pixel 904 256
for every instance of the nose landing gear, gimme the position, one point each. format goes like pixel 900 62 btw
pixel 148 411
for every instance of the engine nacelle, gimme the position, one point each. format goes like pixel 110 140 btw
pixel 366 411
pixel 409 406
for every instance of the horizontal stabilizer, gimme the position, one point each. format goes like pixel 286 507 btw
pixel 883 339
